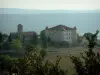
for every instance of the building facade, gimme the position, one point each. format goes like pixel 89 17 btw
pixel 62 33
pixel 25 37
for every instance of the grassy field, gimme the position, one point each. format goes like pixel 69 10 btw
pixel 65 62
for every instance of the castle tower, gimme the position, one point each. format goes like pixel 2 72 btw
pixel 20 30
pixel 46 28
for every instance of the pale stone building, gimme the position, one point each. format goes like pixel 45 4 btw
pixel 62 33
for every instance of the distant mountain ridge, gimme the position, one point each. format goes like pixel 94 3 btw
pixel 33 11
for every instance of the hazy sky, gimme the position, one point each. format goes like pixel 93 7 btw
pixel 51 4
pixel 54 5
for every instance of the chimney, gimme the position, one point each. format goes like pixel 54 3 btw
pixel 75 28
pixel 46 28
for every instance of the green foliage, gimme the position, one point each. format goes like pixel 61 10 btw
pixel 0 46
pixel 89 35
pixel 32 64
pixel 49 40
pixel 38 48
pixel 1 37
pixel 64 44
pixel 6 62
pixel 30 48
pixel 88 63
pixel 5 35
pixel 9 38
pixel 35 40
pixel 43 53
pixel 16 44
pixel 44 39
pixel 6 46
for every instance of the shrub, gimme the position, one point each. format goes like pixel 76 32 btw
pixel 5 62
pixel 30 48
pixel 64 44
pixel 32 64
pixel 6 46
pixel 16 44
pixel 88 64
pixel 43 53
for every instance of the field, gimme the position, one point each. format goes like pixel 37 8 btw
pixel 65 62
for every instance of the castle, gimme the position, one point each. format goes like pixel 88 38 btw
pixel 62 33
pixel 58 33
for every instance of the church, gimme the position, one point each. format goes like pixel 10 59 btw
pixel 25 37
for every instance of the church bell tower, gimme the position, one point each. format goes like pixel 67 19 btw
pixel 20 30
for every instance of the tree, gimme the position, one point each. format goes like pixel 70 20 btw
pixel 49 40
pixel 30 48
pixel 7 63
pixel 1 40
pixel 32 64
pixel 35 39
pixel 88 63
pixel 79 39
pixel 43 53
pixel 5 36
pixel 44 39
pixel 16 44
pixel 89 35
pixel 1 37
pixel 38 49
pixel 64 44
pixel 6 46
pixel 9 38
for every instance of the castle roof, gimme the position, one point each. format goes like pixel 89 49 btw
pixel 63 27
pixel 29 33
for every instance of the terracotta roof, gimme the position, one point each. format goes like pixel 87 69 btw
pixel 61 26
pixel 19 24
pixel 29 33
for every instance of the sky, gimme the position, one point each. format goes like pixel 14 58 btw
pixel 52 4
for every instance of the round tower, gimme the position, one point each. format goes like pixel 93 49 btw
pixel 20 28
